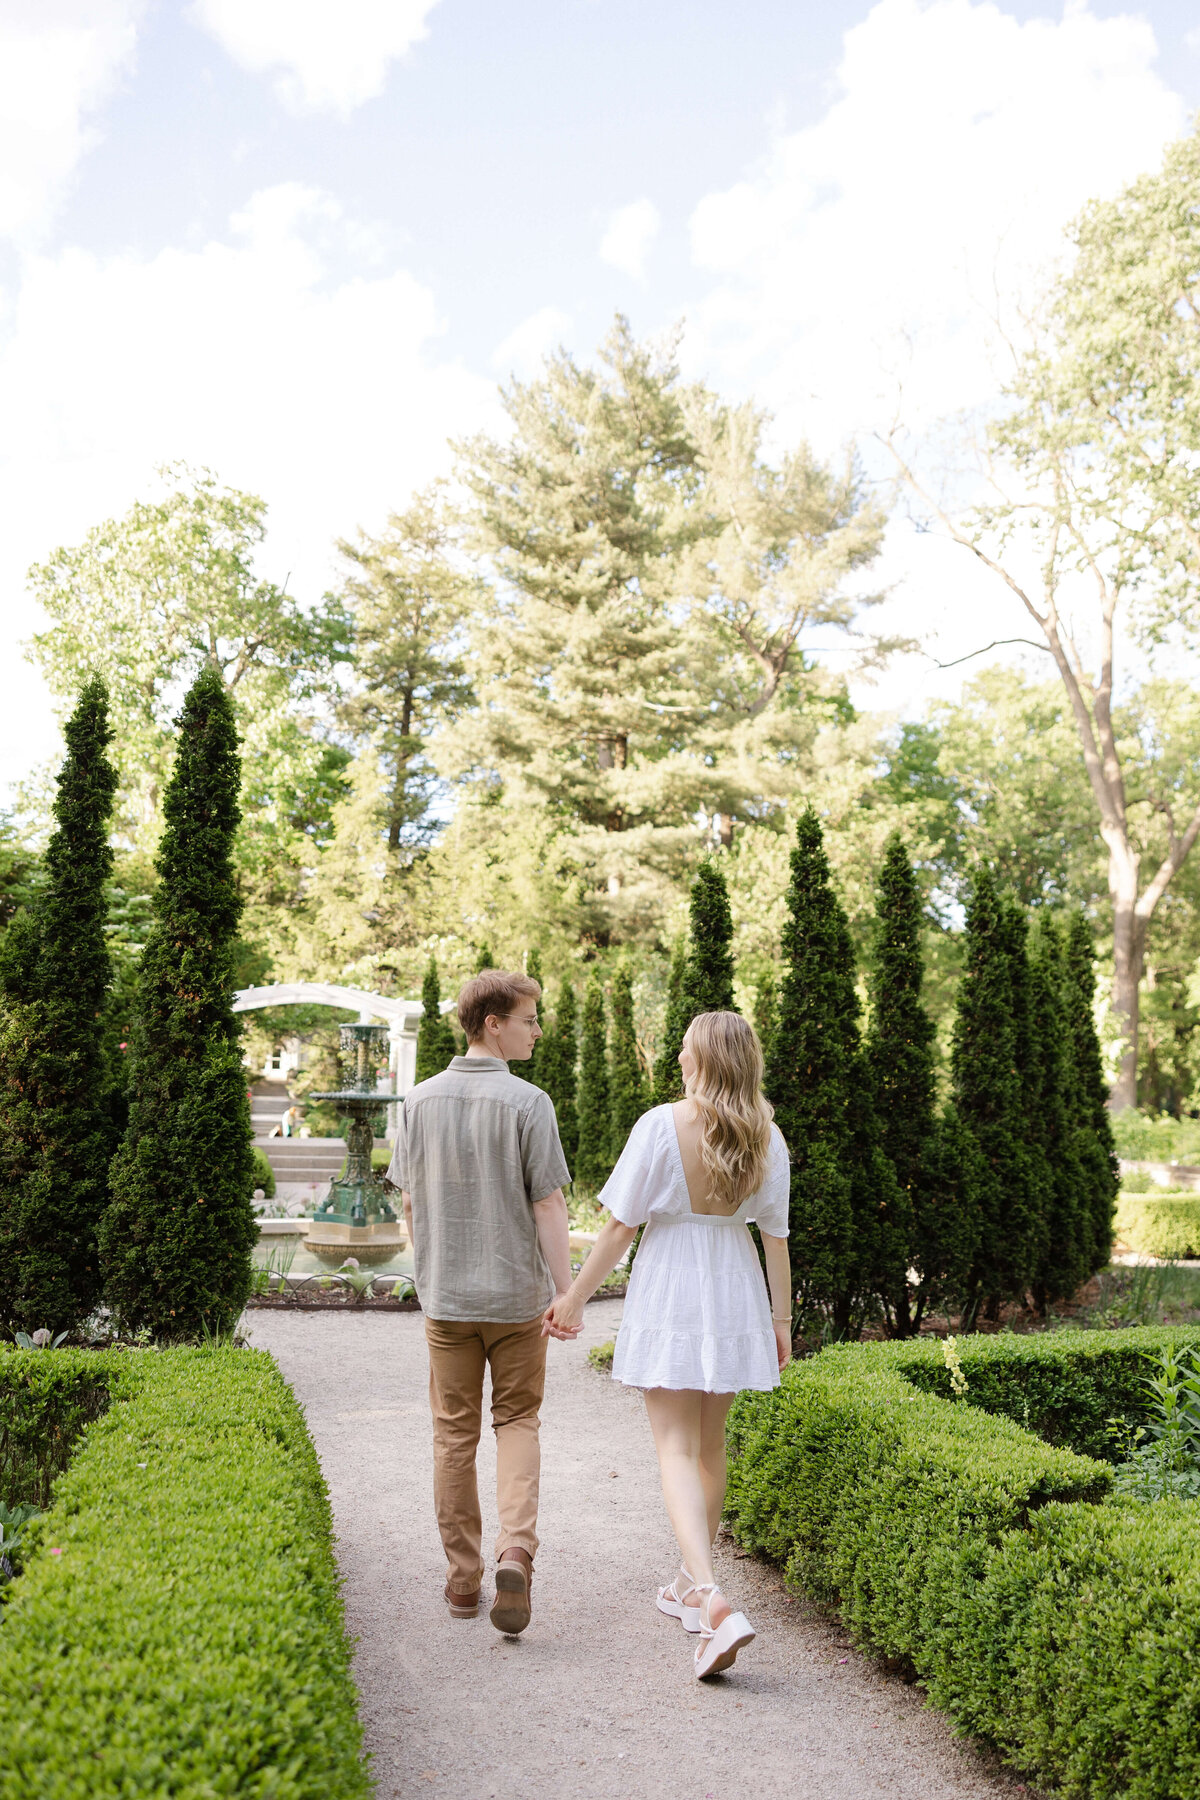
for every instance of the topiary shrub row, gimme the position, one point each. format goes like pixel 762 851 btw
pixel 178 1628
pixel 1163 1224
pixel 1062 1629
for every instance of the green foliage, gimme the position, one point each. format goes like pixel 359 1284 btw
pixel 485 959
pixel 1065 1258
pixel 19 871
pixel 435 1037
pixel 706 981
pixel 1092 1120
pixel 848 1216
pixel 951 1537
pixel 987 1098
pixel 264 1174
pixel 45 1402
pixel 177 1237
pixel 593 1162
pixel 1139 1137
pixel 533 968
pixel 556 1071
pixel 199 1484
pixel 1160 1223
pixel 932 1166
pixel 766 1012
pixel 56 1126
pixel 1164 1459
pixel 600 1356
pixel 627 1086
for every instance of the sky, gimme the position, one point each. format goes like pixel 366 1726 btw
pixel 301 241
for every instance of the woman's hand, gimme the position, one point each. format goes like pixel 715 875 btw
pixel 563 1318
pixel 783 1343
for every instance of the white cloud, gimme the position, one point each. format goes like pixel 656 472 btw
pixel 631 231
pixel 59 59
pixel 868 244
pixel 521 352
pixel 331 54
pixel 325 396
pixel 872 248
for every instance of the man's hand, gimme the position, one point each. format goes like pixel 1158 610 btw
pixel 563 1318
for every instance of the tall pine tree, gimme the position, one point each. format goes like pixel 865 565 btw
pixel 176 1239
pixel 627 1085
pixel 706 983
pixel 919 1145
pixel 533 968
pixel 559 1053
pixel 56 1130
pixel 1028 1212
pixel 988 1100
pixel 1063 1260
pixel 435 1038
pixel 594 1156
pixel 847 1234
pixel 1088 1093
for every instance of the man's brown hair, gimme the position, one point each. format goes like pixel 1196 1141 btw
pixel 495 991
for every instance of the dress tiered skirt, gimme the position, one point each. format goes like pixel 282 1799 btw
pixel 697 1314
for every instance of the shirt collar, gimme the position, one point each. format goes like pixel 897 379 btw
pixel 467 1065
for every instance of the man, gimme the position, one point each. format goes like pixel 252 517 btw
pixel 481 1169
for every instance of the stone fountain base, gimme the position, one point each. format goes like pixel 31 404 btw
pixel 333 1240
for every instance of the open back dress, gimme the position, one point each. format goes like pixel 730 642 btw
pixel 697 1313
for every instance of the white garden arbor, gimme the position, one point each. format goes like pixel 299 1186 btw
pixel 402 1017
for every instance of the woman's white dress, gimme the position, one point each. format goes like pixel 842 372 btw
pixel 697 1314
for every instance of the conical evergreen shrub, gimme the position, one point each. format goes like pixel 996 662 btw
pixel 559 1053
pixel 528 1071
pixel 627 1087
pixel 1088 1094
pixel 435 1039
pixel 924 1151
pixel 988 1100
pixel 177 1236
pixel 594 1155
pixel 1028 1213
pixel 1063 1245
pixel 766 1012
pixel 56 1122
pixel 847 1235
pixel 706 982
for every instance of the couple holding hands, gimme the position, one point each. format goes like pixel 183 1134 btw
pixel 481 1169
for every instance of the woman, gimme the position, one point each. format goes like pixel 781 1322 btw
pixel 698 1326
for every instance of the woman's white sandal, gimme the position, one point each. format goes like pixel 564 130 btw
pixel 671 1602
pixel 719 1644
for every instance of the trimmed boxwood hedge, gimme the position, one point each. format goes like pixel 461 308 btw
pixel 1064 1629
pixel 1164 1224
pixel 178 1628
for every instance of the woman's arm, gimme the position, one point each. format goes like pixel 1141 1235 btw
pixel 564 1316
pixel 779 1281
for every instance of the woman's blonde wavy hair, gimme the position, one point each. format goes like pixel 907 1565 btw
pixel 726 1090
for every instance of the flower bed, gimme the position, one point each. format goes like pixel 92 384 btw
pixel 178 1628
pixel 1162 1224
pixel 1063 1629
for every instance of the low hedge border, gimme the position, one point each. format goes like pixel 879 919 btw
pixel 1163 1224
pixel 178 1628
pixel 1063 1630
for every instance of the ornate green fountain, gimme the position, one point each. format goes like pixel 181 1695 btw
pixel 356 1218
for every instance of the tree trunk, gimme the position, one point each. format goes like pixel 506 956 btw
pixel 1129 943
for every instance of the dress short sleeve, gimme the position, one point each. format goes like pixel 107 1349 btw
pixel 771 1201
pixel 631 1189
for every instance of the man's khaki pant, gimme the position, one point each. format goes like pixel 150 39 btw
pixel 517 1357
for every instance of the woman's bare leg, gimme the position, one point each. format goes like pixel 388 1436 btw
pixel 714 1468
pixel 676 1419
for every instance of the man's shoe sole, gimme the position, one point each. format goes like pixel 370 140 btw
pixel 511 1612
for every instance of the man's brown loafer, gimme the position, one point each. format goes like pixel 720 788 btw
pixel 462 1606
pixel 514 1577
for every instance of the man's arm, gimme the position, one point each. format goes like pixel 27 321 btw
pixel 550 1217
pixel 406 1197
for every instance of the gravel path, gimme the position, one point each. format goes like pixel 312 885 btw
pixel 596 1701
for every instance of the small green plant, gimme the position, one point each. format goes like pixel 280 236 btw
pixel 13 1520
pixel 601 1355
pixel 359 1281
pixel 39 1340
pixel 1163 1455
pixel 278 1266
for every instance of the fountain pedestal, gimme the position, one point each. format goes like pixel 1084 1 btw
pixel 356 1218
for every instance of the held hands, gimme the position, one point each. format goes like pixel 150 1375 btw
pixel 783 1343
pixel 563 1318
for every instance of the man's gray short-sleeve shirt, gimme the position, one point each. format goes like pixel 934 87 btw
pixel 477 1147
